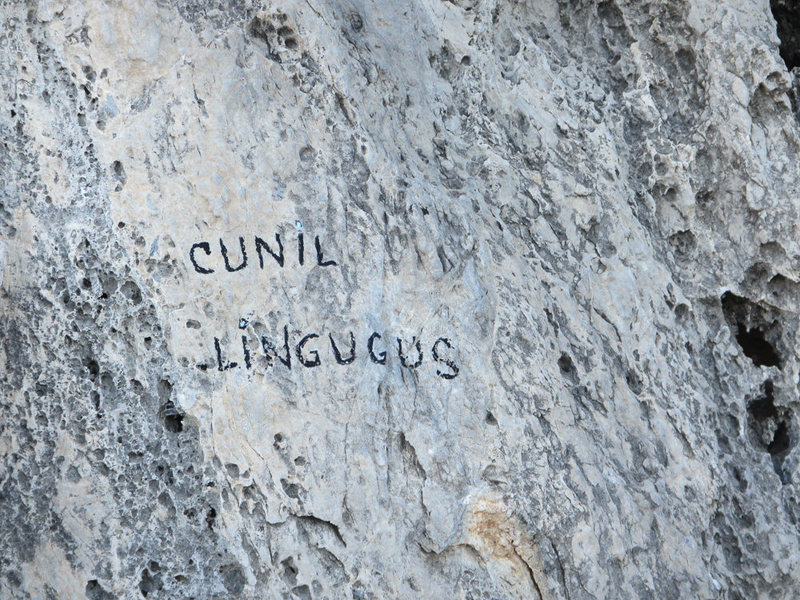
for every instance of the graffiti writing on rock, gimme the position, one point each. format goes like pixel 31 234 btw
pixel 310 350
pixel 220 255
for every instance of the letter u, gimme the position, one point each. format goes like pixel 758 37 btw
pixel 224 251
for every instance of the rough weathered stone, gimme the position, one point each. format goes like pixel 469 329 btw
pixel 573 226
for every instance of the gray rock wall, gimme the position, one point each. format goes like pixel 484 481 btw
pixel 399 300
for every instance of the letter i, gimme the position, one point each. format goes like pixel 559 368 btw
pixel 300 247
pixel 246 352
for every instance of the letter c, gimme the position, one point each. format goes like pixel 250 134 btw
pixel 205 247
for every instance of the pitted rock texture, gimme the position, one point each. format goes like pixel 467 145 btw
pixel 425 299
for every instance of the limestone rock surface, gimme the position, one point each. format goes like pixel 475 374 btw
pixel 356 299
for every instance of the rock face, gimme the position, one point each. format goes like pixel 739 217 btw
pixel 427 299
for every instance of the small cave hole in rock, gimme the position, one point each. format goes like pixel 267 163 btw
pixel 752 329
pixel 172 418
pixel 781 441
pixel 770 426
pixel 291 489
pixel 787 17
pixel 567 368
pixel 763 408
pixel 93 368
pixel 119 171
pixel 634 382
pixel 289 570
pixel 565 364
pixel 756 347
pixel 95 591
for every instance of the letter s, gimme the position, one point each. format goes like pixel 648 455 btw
pixel 449 363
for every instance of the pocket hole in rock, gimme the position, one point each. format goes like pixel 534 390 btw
pixel 787 16
pixel 754 332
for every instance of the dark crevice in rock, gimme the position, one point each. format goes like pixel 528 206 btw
pixel 763 408
pixel 172 418
pixel 787 16
pixel 289 570
pixel 567 368
pixel 94 591
pixel 756 335
pixel 756 347
pixel 781 441
pixel 771 429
